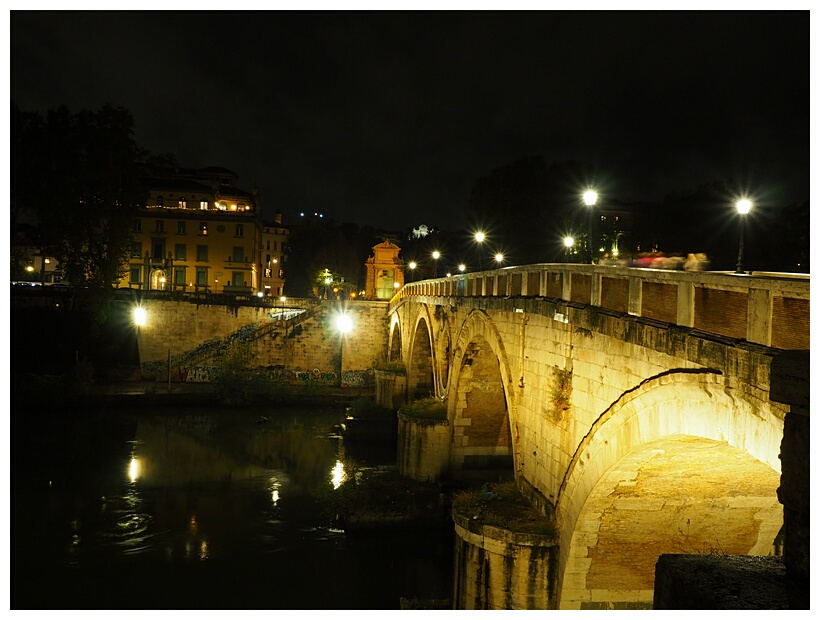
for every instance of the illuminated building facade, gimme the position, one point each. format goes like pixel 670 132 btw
pixel 272 256
pixel 198 232
pixel 385 272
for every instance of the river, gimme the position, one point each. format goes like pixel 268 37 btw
pixel 204 509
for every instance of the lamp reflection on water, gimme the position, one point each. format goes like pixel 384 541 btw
pixel 337 475
pixel 134 469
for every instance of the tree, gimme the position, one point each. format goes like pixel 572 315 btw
pixel 79 174
pixel 527 207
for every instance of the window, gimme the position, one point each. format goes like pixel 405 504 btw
pixel 223 206
pixel 201 276
pixel 267 258
pixel 134 278
pixel 268 245
pixel 138 225
pixel 179 251
pixel 267 273
pixel 275 244
pixel 159 251
pixel 203 228
pixel 179 276
pixel 183 204
pixel 159 226
pixel 240 230
pixel 238 254
pixel 237 278
pixel 181 227
pixel 136 250
pixel 160 201
pixel 202 252
pixel 203 204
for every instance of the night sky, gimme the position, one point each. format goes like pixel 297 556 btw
pixel 388 119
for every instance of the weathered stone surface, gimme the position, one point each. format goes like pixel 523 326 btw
pixel 724 582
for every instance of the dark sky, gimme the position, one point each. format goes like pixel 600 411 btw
pixel 388 119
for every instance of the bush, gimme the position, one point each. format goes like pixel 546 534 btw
pixel 430 408
pixel 502 505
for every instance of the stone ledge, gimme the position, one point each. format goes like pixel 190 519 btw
pixel 725 582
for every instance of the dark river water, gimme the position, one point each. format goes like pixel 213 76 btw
pixel 204 509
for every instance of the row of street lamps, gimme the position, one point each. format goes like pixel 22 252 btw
pixel 436 255
pixel 590 199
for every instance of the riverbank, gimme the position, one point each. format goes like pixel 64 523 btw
pixel 50 392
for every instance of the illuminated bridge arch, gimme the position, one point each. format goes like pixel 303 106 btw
pixel 421 366
pixel 394 344
pixel 481 403
pixel 687 462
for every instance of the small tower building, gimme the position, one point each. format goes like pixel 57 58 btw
pixel 385 273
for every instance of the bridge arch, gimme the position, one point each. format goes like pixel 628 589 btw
pixel 421 366
pixel 481 403
pixel 684 424
pixel 394 344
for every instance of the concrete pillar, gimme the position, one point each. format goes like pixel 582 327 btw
pixel 595 290
pixel 759 317
pixel 566 285
pixel 635 296
pixel 686 304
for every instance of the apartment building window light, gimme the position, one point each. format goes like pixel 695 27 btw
pixel 203 228
pixel 203 205
pixel 183 204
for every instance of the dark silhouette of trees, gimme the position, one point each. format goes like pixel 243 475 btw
pixel 527 207
pixel 79 176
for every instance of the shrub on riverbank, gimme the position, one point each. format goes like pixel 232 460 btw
pixel 501 505
pixel 430 408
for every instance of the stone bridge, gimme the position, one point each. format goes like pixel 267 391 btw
pixel 632 405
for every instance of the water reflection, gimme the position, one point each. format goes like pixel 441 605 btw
pixel 163 498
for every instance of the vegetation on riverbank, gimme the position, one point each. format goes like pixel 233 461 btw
pixel 501 505
pixel 430 408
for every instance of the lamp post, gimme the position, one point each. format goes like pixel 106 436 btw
pixel 499 258
pixel 568 243
pixel 479 239
pixel 412 267
pixel 743 207
pixel 590 198
pixel 344 325
pixel 436 256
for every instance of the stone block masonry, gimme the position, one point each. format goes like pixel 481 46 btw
pixel 303 344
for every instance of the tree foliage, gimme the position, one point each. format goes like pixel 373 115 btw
pixel 78 175
pixel 527 207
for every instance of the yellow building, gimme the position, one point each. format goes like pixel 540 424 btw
pixel 198 232
pixel 385 272
pixel 272 256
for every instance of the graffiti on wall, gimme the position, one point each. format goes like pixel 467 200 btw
pixel 196 374
pixel 279 374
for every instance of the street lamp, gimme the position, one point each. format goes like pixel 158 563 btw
pixel 343 323
pixel 412 267
pixel 499 258
pixel 590 198
pixel 568 243
pixel 743 207
pixel 479 239
pixel 436 256
pixel 462 267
